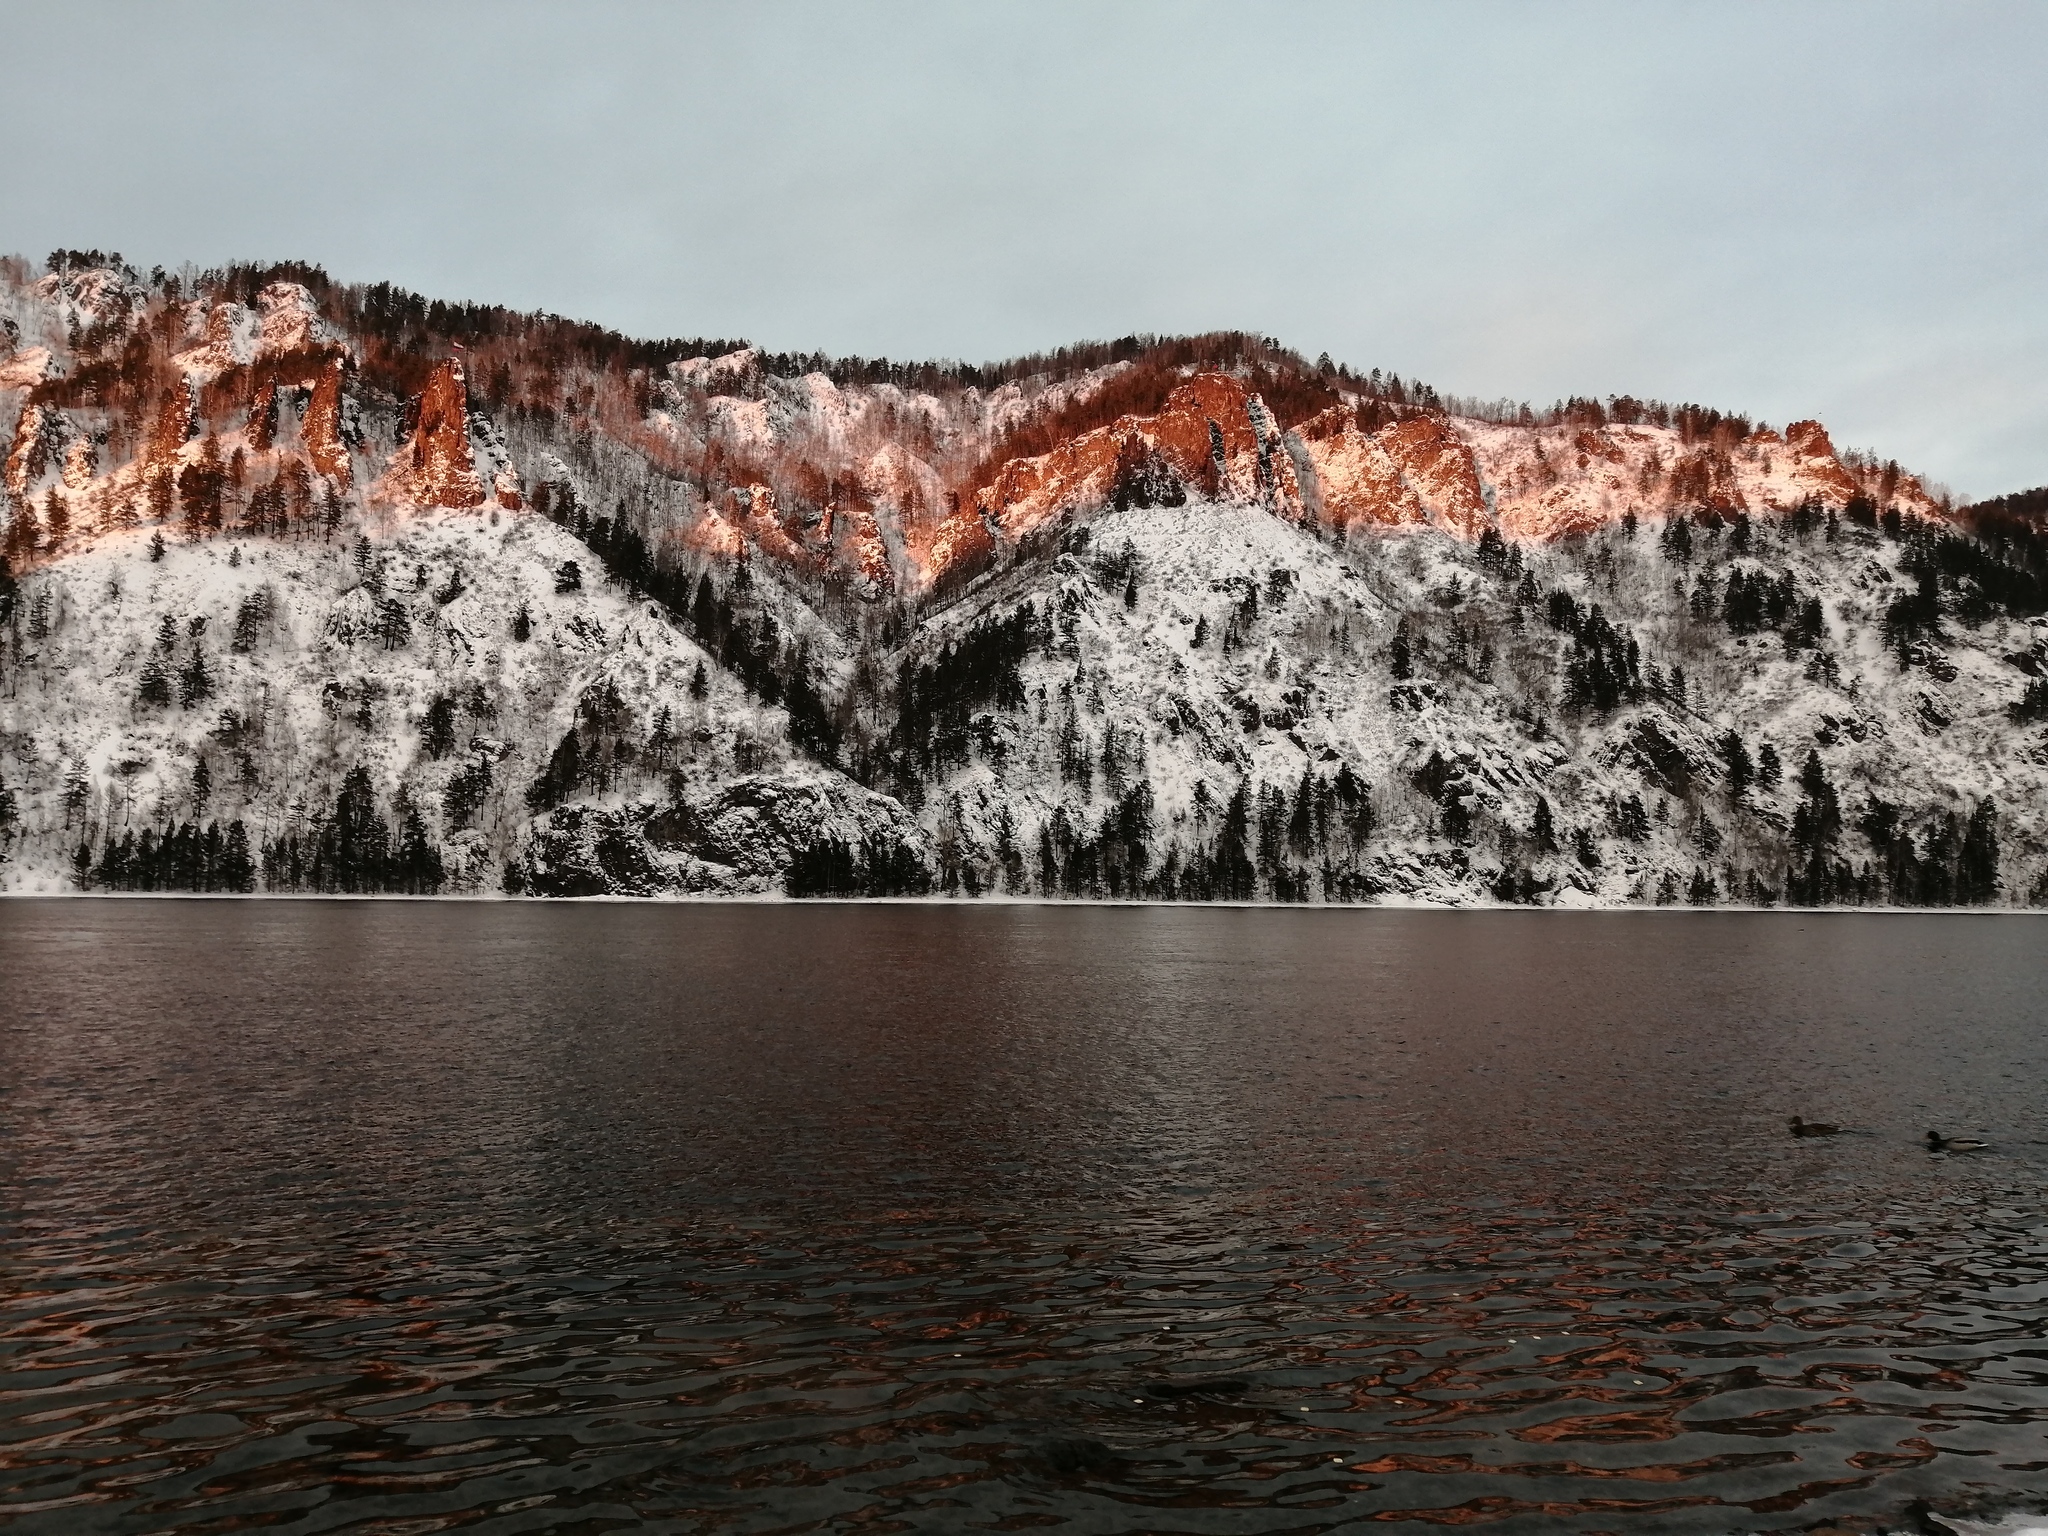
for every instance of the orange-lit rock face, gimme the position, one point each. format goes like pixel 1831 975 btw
pixel 1552 482
pixel 1214 437
pixel 713 534
pixel 1215 440
pixel 755 511
pixel 1413 471
pixel 321 428
pixel 284 321
pixel 1439 465
pixel 81 463
pixel 1815 465
pixel 436 468
pixel 868 552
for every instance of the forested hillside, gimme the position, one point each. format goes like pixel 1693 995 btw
pixel 313 587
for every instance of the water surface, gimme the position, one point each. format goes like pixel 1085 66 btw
pixel 406 1217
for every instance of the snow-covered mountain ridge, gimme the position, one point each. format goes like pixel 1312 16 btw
pixel 317 588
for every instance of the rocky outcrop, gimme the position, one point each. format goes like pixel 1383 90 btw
pixel 290 321
pixel 1439 466
pixel 1358 483
pixel 41 437
pixel 1815 465
pixel 435 467
pixel 321 429
pixel 1215 440
pixel 26 368
pixel 739 839
pixel 1414 471
pixel 284 324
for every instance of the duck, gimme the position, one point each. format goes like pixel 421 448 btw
pixel 1936 1142
pixel 1813 1128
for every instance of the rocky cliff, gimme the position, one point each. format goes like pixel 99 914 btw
pixel 320 588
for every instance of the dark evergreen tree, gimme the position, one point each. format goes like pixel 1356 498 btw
pixel 155 686
pixel 562 776
pixel 438 737
pixel 1741 771
pixel 1977 863
pixel 661 740
pixel 1236 875
pixel 195 681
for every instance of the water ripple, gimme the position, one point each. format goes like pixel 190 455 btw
pixel 569 1220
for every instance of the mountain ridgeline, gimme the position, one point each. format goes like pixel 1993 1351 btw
pixel 322 588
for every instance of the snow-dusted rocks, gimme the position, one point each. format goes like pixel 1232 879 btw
pixel 554 612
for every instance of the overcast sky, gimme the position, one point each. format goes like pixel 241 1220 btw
pixel 1822 209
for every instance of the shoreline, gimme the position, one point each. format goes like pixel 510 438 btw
pixel 776 899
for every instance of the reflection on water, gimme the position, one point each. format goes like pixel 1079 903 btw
pixel 410 1218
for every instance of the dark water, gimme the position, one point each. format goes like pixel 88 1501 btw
pixel 407 1218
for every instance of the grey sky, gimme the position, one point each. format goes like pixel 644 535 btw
pixel 1823 209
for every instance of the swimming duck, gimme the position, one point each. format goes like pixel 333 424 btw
pixel 1936 1142
pixel 1813 1128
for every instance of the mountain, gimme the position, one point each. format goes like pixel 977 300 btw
pixel 325 587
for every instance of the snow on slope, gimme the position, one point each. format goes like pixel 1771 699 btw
pixel 1309 689
pixel 331 678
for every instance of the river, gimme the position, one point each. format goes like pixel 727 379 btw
pixel 510 1217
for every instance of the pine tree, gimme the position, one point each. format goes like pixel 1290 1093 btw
pixel 1237 879
pixel 1740 770
pixel 417 868
pixel 77 792
pixel 1977 866
pixel 1768 769
pixel 1301 826
pixel 661 741
pixel 155 687
pixel 439 735
pixel 562 776
pixel 195 682
pixel 237 869
pixel 250 615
